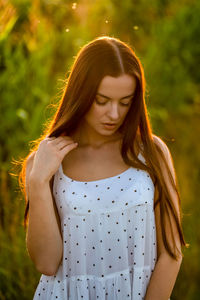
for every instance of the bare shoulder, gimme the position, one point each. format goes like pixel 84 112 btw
pixel 167 154
pixel 161 144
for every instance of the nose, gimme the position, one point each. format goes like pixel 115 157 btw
pixel 113 111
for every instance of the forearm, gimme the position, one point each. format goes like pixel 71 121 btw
pixel 44 241
pixel 163 278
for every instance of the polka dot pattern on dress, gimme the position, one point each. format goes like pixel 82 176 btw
pixel 109 238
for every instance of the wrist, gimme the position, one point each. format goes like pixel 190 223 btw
pixel 35 179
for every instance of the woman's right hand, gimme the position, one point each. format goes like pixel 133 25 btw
pixel 49 156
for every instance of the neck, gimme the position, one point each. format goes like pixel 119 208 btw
pixel 88 137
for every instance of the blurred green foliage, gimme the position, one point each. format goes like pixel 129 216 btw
pixel 38 42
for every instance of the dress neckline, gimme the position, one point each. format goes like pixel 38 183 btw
pixel 93 181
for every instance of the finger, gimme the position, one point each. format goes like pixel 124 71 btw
pixel 68 148
pixel 50 138
pixel 62 139
pixel 54 140
pixel 63 143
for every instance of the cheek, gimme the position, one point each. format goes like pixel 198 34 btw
pixel 124 112
pixel 94 114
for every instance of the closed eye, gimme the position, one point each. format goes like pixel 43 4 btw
pixel 103 103
pixel 125 104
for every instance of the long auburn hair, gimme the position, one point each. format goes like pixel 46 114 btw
pixel 109 56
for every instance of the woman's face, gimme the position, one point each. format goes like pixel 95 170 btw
pixel 111 104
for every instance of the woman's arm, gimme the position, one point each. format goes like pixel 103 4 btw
pixel 43 239
pixel 163 278
pixel 166 269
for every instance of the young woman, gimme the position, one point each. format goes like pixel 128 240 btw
pixel 103 207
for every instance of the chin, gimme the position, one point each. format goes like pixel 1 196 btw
pixel 108 132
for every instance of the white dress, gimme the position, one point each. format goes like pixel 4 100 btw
pixel 109 238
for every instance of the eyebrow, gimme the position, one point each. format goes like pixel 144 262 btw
pixel 110 98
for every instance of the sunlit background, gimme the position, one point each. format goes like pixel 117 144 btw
pixel 38 42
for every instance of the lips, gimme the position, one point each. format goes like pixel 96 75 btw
pixel 112 124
